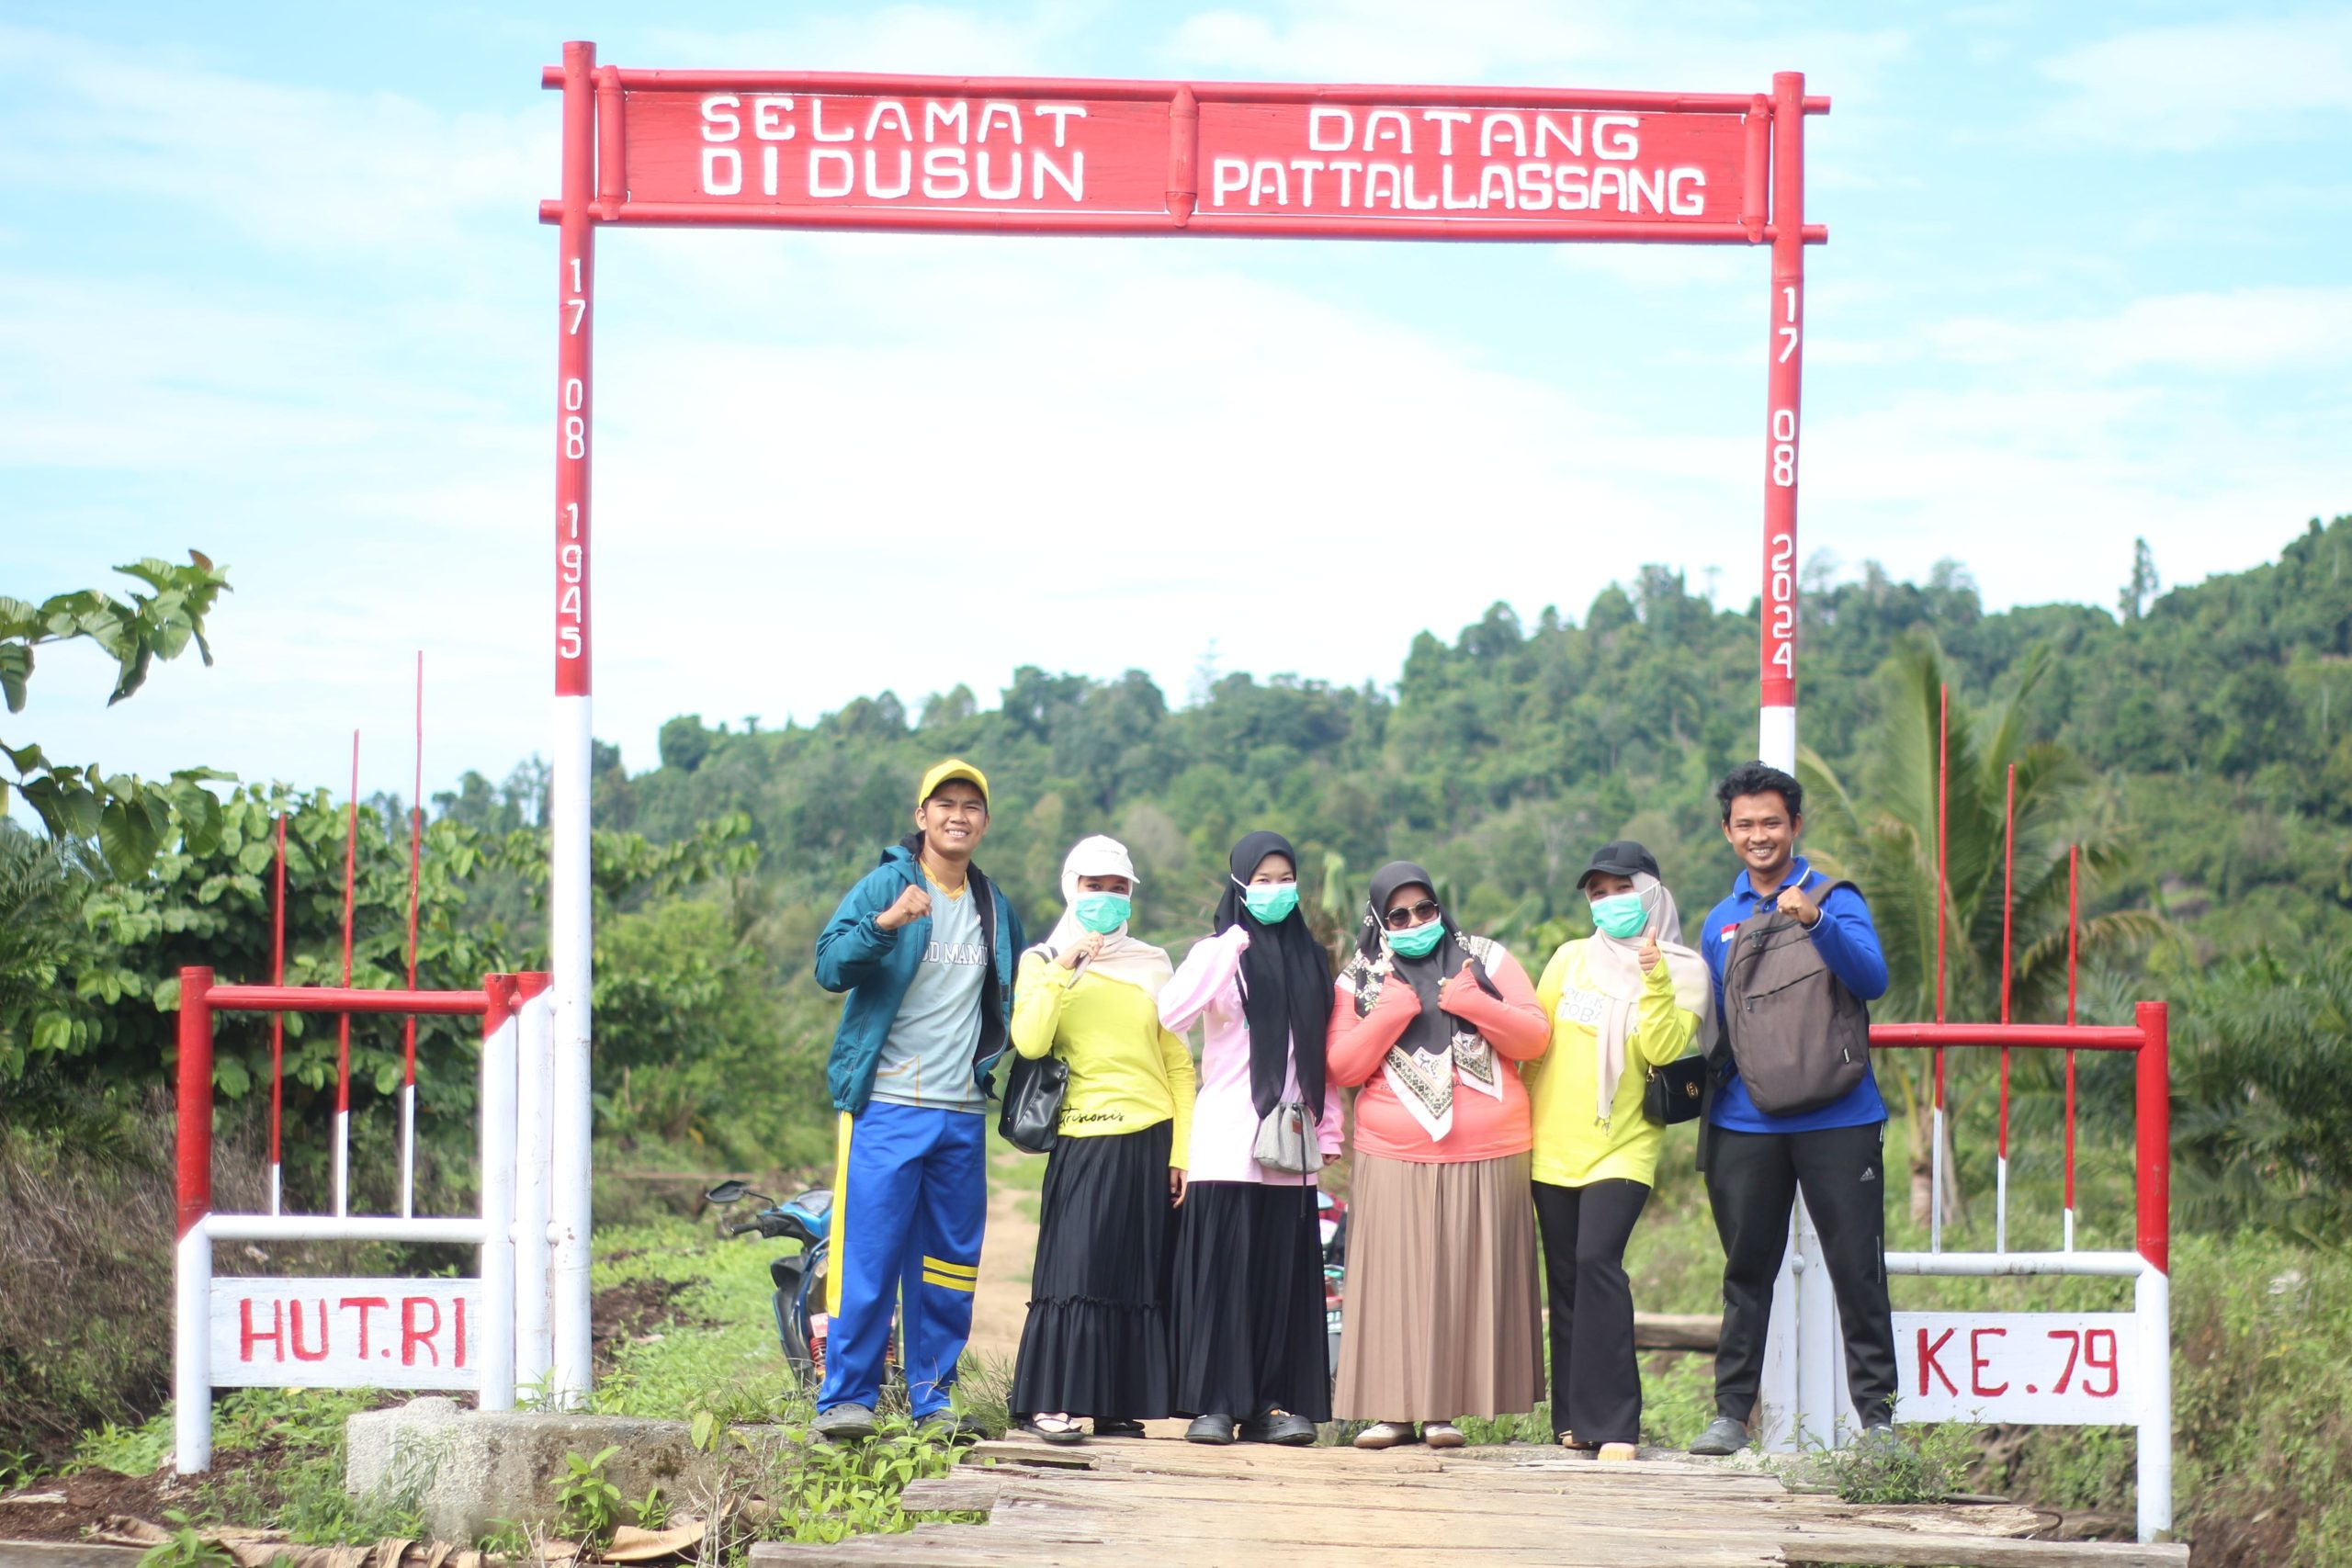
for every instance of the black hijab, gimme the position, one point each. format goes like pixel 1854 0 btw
pixel 1285 985
pixel 1424 975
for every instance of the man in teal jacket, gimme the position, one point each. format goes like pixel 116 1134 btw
pixel 925 946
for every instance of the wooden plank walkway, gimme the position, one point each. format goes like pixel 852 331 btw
pixel 1250 1505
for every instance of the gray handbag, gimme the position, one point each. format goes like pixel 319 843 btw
pixel 1287 1139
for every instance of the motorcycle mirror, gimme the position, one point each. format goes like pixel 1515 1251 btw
pixel 728 1192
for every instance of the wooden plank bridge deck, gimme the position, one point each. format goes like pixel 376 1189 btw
pixel 1182 1505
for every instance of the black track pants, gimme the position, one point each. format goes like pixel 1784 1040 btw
pixel 1752 1182
pixel 1596 1383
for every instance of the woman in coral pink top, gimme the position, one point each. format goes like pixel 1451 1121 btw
pixel 1442 1318
pixel 1248 1321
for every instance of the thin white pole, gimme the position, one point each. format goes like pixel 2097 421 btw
pixel 1935 1179
pixel 408 1143
pixel 495 1333
pixel 192 1358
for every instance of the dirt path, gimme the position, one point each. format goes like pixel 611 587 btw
pixel 1006 1253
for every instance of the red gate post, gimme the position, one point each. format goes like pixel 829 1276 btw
pixel 567 816
pixel 192 1271
pixel 2152 1293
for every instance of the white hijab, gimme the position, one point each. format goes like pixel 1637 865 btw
pixel 1616 968
pixel 1122 958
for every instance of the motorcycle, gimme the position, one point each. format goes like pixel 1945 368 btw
pixel 1332 1225
pixel 799 1277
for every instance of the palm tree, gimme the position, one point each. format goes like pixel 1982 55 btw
pixel 1886 842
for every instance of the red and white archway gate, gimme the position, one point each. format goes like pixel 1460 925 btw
pixel 982 155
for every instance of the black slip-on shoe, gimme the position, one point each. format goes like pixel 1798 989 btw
pixel 1118 1428
pixel 1216 1429
pixel 1279 1427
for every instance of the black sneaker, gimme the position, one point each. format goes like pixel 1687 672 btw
pixel 947 1426
pixel 1724 1436
pixel 844 1424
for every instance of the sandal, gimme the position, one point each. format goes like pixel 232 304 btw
pixel 1442 1435
pixel 1618 1453
pixel 1570 1440
pixel 1385 1435
pixel 1055 1429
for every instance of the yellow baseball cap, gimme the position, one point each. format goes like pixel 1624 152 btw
pixel 947 773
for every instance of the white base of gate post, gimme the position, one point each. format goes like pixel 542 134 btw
pixel 534 1089
pixel 1819 1352
pixel 192 1355
pixel 2152 1303
pixel 569 937
pixel 1775 1422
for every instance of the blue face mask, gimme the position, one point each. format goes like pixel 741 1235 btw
pixel 1419 942
pixel 1101 913
pixel 1620 915
pixel 1270 901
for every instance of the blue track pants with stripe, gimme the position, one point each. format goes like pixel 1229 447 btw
pixel 911 1200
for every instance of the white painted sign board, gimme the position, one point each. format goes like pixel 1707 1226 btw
pixel 345 1332
pixel 2048 1369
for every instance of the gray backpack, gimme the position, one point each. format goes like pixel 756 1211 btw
pixel 1799 1037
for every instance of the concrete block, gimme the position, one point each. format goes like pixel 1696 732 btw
pixel 471 1470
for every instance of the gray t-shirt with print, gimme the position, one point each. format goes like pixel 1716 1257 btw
pixel 927 1057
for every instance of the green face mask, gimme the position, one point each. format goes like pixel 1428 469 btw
pixel 1270 901
pixel 1419 942
pixel 1101 913
pixel 1620 915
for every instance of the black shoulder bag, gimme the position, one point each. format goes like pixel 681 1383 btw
pixel 1035 1088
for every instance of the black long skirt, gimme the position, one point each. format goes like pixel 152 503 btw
pixel 1096 1342
pixel 1249 1329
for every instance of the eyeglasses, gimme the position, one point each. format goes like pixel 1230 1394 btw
pixel 1403 919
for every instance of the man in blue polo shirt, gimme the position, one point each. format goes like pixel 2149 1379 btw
pixel 1757 1163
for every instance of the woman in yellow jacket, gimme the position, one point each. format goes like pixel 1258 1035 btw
pixel 1622 1001
pixel 1096 1342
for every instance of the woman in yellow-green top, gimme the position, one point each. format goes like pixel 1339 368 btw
pixel 1096 1343
pixel 1622 1001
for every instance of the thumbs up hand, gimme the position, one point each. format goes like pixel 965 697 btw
pixel 1649 952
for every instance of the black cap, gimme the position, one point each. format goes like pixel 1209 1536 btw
pixel 1621 857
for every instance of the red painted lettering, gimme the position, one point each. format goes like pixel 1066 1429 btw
pixel 364 1303
pixel 1928 1362
pixel 247 1338
pixel 457 1356
pixel 1977 1362
pixel 2101 1360
pixel 412 1335
pixel 303 1352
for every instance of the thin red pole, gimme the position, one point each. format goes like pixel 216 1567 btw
pixel 1943 855
pixel 277 1020
pixel 415 865
pixel 2073 932
pixel 2153 1134
pixel 342 1020
pixel 195 1098
pixel 2008 899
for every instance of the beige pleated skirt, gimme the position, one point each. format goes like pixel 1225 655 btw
pixel 1443 1317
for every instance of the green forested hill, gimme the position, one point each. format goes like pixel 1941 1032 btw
pixel 2208 717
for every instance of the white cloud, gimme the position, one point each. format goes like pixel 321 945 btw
pixel 2235 331
pixel 2196 85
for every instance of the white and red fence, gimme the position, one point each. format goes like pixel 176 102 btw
pixel 521 1321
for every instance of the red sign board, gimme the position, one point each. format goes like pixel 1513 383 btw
pixel 1427 162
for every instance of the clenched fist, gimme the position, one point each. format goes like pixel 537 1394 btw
pixel 911 904
pixel 1795 903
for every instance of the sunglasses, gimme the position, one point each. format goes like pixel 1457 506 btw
pixel 1403 919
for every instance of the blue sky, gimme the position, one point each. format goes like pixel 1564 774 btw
pixel 271 285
